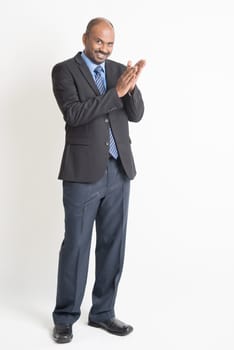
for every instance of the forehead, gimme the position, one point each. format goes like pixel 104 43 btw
pixel 103 31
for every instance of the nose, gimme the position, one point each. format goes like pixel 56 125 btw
pixel 104 48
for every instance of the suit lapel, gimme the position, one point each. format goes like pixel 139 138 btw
pixel 86 73
pixel 110 75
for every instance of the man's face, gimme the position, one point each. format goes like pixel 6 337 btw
pixel 99 42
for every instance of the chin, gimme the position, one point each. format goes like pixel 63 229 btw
pixel 96 60
pixel 99 60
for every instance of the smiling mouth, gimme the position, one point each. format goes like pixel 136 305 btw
pixel 101 55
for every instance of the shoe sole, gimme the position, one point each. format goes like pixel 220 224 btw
pixel 96 325
pixel 62 341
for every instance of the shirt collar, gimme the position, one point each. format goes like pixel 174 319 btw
pixel 91 65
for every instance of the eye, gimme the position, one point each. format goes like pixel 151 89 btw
pixel 98 41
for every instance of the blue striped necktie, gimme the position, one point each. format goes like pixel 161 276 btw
pixel 101 87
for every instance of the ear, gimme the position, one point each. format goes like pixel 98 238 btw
pixel 84 38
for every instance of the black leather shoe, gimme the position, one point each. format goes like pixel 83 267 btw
pixel 113 326
pixel 62 333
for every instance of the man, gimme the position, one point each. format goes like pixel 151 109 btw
pixel 97 97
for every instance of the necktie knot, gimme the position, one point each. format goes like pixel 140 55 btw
pixel 98 70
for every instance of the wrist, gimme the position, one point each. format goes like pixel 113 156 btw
pixel 131 91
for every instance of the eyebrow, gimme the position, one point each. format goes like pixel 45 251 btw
pixel 109 42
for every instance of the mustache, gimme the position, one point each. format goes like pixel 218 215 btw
pixel 103 53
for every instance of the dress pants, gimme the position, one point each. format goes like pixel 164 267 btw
pixel 105 203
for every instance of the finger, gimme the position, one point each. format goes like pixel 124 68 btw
pixel 128 73
pixel 140 64
pixel 129 64
pixel 131 81
pixel 129 78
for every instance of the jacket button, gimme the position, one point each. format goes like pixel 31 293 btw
pixel 107 143
pixel 106 120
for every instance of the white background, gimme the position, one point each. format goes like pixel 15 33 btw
pixel 177 287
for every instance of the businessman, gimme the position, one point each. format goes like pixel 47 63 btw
pixel 98 97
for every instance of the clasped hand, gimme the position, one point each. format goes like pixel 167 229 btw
pixel 128 79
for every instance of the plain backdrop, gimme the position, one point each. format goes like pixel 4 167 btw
pixel 177 286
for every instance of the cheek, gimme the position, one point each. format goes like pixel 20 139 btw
pixel 94 47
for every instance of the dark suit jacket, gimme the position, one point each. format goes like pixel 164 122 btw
pixel 88 115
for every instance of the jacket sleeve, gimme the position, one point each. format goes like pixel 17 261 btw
pixel 134 105
pixel 76 111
